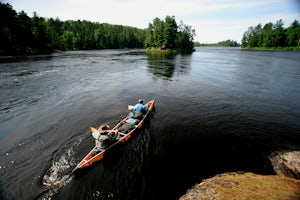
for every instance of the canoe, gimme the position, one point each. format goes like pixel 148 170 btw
pixel 122 137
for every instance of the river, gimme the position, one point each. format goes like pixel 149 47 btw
pixel 217 110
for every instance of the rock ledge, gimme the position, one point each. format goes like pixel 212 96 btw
pixel 286 163
pixel 240 185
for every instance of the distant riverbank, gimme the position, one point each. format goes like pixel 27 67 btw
pixel 273 48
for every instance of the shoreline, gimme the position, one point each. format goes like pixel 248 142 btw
pixel 295 49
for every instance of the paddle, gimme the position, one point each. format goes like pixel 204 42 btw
pixel 130 107
pixel 92 129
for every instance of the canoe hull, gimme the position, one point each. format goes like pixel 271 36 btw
pixel 92 157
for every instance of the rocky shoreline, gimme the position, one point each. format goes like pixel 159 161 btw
pixel 246 185
pixel 286 163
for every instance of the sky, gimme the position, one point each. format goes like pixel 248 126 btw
pixel 213 20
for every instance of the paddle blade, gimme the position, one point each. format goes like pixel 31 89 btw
pixel 130 107
pixel 93 129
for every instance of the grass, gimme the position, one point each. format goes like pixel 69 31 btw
pixel 160 52
pixel 237 186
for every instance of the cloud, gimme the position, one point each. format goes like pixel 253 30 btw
pixel 230 21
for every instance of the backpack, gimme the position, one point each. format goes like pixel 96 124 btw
pixel 135 115
pixel 126 127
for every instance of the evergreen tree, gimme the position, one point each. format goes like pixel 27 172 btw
pixel 149 41
pixel 272 35
pixel 158 32
pixel 185 37
pixel 169 32
pixel 293 34
pixel 8 31
pixel 41 41
pixel 279 34
pixel 267 35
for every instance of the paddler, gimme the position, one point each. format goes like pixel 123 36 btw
pixel 138 110
pixel 102 138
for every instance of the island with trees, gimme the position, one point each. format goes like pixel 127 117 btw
pixel 166 35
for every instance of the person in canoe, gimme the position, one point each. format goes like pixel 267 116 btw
pixel 102 139
pixel 138 110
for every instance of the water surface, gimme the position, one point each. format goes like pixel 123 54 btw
pixel 217 110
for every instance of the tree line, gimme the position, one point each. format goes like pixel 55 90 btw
pixel 21 34
pixel 272 35
pixel 226 43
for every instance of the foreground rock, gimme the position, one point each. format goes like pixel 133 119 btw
pixel 245 186
pixel 286 163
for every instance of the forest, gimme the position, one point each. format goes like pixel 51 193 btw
pixel 272 36
pixel 23 35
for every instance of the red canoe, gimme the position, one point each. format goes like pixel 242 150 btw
pixel 91 157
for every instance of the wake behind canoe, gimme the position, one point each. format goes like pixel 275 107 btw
pixel 122 137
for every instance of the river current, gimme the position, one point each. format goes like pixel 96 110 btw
pixel 217 110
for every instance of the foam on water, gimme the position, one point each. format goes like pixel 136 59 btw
pixel 59 174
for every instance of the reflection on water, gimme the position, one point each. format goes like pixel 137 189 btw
pixel 167 67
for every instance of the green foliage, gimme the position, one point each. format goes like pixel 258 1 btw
pixel 160 53
pixel 166 34
pixel 275 48
pixel 272 35
pixel 293 34
pixel 74 35
pixel 169 32
pixel 20 34
pixel 226 43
